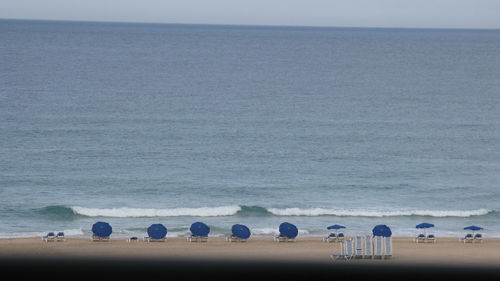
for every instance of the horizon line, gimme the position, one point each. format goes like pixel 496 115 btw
pixel 247 25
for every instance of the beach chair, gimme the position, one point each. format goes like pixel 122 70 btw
pixel 279 238
pixel 332 237
pixel 60 237
pixel 341 237
pixel 478 238
pixel 378 247
pixel 359 247
pixel 283 238
pixel 468 238
pixel 50 237
pixel 239 233
pixel 368 247
pixel 151 239
pixel 387 247
pixel 420 238
pixel 133 239
pixel 101 231
pixel 288 233
pixel 96 238
pixel 156 233
pixel 347 251
pixel 232 238
pixel 199 232
pixel 194 238
pixel 430 238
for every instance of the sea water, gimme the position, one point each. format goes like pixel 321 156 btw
pixel 136 124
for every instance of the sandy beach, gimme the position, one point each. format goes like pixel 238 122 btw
pixel 447 251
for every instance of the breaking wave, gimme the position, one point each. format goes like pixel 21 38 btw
pixel 235 210
pixel 363 213
pixel 174 212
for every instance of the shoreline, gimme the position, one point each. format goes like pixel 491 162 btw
pixel 446 251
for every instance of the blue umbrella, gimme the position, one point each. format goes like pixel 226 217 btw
pixel 473 228
pixel 424 225
pixel 382 230
pixel 288 230
pixel 335 226
pixel 102 229
pixel 199 229
pixel 157 231
pixel 240 231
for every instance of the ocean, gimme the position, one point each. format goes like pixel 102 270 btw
pixel 136 124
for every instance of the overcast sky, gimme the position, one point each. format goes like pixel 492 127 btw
pixel 361 13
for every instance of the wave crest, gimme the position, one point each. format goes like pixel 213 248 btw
pixel 363 213
pixel 235 210
pixel 58 211
pixel 174 212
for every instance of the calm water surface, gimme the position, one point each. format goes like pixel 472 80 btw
pixel 143 123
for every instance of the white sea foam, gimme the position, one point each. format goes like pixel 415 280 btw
pixel 303 231
pixel 125 212
pixel 174 212
pixel 67 232
pixel 177 233
pixel 21 234
pixel 274 231
pixel 265 231
pixel 367 213
pixel 73 232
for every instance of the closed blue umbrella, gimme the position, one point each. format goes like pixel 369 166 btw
pixel 157 231
pixel 288 230
pixel 240 231
pixel 382 230
pixel 199 229
pixel 102 229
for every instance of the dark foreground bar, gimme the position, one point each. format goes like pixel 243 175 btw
pixel 86 269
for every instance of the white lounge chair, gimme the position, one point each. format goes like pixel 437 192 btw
pixel 193 238
pixel 96 238
pixel 420 238
pixel 332 237
pixel 60 237
pixel 50 237
pixel 133 239
pixel 347 251
pixel 468 238
pixel 359 247
pixel 387 247
pixel 281 238
pixel 430 238
pixel 232 238
pixel 478 238
pixel 340 237
pixel 150 239
pixel 378 250
pixel 368 247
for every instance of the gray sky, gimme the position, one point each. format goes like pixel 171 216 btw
pixel 363 13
